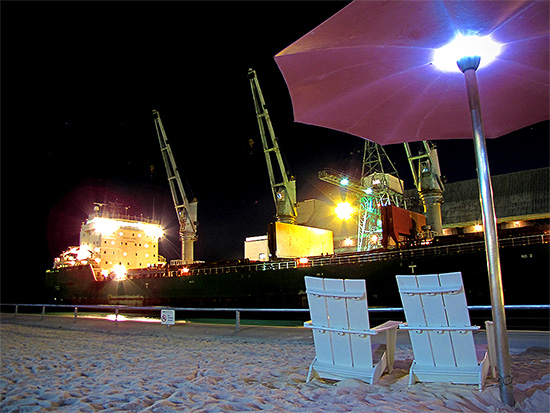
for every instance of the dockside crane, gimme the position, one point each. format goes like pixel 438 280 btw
pixel 378 187
pixel 185 210
pixel 283 185
pixel 427 180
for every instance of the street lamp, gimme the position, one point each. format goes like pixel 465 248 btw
pixel 468 52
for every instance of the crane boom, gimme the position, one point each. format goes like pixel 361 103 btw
pixel 186 211
pixel 283 187
pixel 428 183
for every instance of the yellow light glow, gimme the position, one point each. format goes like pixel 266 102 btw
pixel 344 210
pixel 478 228
pixel 153 231
pixel 120 272
pixel 348 242
pixel 104 226
pixel 83 253
pixel 303 260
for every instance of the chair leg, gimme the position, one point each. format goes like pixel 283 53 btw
pixel 391 337
pixel 412 377
pixel 311 372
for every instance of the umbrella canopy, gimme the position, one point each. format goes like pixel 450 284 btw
pixel 369 70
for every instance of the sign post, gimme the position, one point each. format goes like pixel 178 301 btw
pixel 168 317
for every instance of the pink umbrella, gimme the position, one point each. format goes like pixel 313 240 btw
pixel 371 70
pixel 368 70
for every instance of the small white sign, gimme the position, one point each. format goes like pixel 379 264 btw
pixel 168 317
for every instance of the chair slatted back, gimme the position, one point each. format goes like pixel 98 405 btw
pixel 437 319
pixel 340 305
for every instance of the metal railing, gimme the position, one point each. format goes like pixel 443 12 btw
pixel 117 309
pixel 371 256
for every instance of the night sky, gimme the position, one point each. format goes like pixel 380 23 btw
pixel 79 83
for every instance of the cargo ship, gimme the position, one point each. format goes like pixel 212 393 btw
pixel 117 262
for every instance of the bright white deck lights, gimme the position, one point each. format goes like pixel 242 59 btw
pixel 445 57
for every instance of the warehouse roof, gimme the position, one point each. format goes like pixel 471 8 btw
pixel 518 195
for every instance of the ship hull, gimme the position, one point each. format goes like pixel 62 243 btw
pixel 525 272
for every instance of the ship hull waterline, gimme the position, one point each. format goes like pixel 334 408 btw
pixel 525 270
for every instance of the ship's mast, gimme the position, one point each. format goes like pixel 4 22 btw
pixel 427 180
pixel 185 210
pixel 283 185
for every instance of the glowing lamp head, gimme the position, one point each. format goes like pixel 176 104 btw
pixel 344 181
pixel 344 210
pixel 466 52
pixel 119 272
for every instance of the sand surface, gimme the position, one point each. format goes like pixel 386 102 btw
pixel 57 364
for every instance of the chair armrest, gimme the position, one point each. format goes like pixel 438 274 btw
pixel 371 332
pixel 442 328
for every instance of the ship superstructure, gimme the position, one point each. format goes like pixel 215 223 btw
pixel 113 243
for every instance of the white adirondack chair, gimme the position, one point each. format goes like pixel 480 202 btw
pixel 440 330
pixel 341 331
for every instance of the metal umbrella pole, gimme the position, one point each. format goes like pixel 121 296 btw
pixel 468 66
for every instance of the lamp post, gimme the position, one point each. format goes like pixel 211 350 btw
pixel 468 65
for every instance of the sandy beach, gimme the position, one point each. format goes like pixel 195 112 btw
pixel 59 364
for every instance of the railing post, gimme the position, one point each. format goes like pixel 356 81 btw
pixel 75 313
pixel 237 320
pixel 116 314
pixel 43 311
pixel 16 309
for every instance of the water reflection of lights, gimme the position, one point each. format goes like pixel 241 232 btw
pixel 122 318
